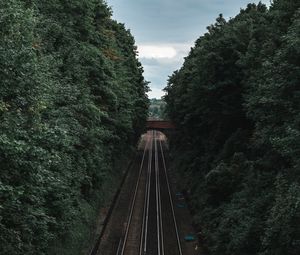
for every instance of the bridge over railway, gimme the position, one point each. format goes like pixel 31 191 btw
pixel 160 125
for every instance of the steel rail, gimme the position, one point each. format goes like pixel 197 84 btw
pixel 171 201
pixel 133 201
pixel 144 235
pixel 159 215
pixel 157 198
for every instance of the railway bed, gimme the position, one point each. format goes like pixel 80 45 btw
pixel 145 218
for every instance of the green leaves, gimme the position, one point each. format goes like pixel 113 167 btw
pixel 68 111
pixel 281 233
pixel 235 103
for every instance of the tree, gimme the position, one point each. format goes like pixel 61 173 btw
pixel 236 108
pixel 72 98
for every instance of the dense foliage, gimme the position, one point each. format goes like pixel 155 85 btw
pixel 236 105
pixel 72 100
pixel 157 109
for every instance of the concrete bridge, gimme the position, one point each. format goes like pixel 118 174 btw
pixel 160 125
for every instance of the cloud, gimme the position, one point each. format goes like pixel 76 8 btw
pixel 156 51
pixel 159 62
pixel 160 54
pixel 165 30
pixel 155 93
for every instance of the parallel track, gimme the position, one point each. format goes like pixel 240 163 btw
pixel 171 200
pixel 122 243
pixel 154 230
pixel 145 220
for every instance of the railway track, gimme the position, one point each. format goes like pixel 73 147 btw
pixel 151 227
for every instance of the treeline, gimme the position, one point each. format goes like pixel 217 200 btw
pixel 157 109
pixel 236 105
pixel 72 101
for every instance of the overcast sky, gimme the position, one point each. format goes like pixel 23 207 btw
pixel 165 30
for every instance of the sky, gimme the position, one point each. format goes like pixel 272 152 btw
pixel 165 30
